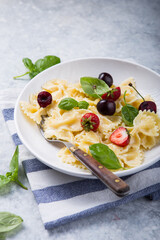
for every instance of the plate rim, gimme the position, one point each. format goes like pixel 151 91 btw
pixel 81 175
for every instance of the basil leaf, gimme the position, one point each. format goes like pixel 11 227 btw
pixel 103 154
pixel 4 180
pixel 33 74
pixel 83 105
pixel 94 87
pixel 129 113
pixel 39 66
pixel 13 174
pixel 2 236
pixel 28 63
pixel 46 62
pixel 67 103
pixel 14 163
pixel 51 60
pixel 9 221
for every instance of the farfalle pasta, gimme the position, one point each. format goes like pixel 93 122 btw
pixel 147 127
pixel 65 125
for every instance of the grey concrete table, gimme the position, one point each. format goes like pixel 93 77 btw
pixel 75 29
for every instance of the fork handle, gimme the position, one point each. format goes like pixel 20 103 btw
pixel 114 183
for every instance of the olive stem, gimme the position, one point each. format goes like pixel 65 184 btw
pixel 131 85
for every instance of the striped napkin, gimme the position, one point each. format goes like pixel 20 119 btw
pixel 62 198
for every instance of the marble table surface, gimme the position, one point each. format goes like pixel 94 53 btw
pixel 75 29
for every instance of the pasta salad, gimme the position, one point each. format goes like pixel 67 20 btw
pixel 94 111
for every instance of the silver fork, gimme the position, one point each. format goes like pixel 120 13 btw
pixel 114 183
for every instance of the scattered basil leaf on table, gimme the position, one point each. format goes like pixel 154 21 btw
pixel 9 221
pixel 33 74
pixel 94 87
pixel 12 176
pixel 83 105
pixel 39 66
pixel 68 103
pixel 28 63
pixel 103 154
pixel 46 62
pixel 128 113
pixel 4 180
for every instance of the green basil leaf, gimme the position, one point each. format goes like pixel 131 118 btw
pixel 33 74
pixel 28 63
pixel 129 113
pixel 83 105
pixel 51 60
pixel 9 221
pixel 46 62
pixel 9 175
pixel 39 66
pixel 4 180
pixel 14 163
pixel 13 174
pixel 103 154
pixel 67 103
pixel 2 236
pixel 94 87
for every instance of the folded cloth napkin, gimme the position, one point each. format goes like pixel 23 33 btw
pixel 62 198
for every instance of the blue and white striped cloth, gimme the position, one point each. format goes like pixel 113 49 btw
pixel 62 198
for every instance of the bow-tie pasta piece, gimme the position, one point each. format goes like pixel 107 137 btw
pixel 75 91
pixel 108 124
pixel 131 94
pixel 67 157
pixel 84 139
pixel 147 126
pixel 54 85
pixel 32 111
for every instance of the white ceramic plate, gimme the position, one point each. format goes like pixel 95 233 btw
pixel 147 82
